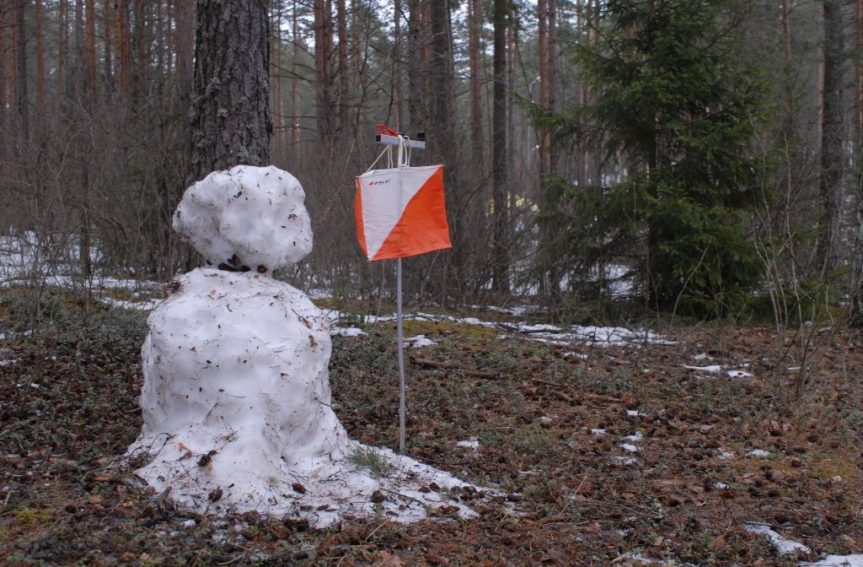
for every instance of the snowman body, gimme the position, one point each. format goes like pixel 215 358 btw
pixel 236 399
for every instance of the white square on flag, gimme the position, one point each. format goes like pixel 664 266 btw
pixel 401 212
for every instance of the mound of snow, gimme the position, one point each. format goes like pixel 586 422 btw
pixel 237 416
pixel 246 218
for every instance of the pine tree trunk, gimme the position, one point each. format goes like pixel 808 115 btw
pixel 108 44
pixel 323 50
pixel 62 48
pixel 124 47
pixel 40 65
pixel 856 308
pixel 80 98
pixel 21 95
pixel 415 95
pixel 398 65
pixel 344 72
pixel 3 79
pixel 90 47
pixel 475 21
pixel 832 113
pixel 231 119
pixel 185 16
pixel 500 266
pixel 276 81
pixel 295 68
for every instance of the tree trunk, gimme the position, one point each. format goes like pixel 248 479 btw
pixel 83 145
pixel 323 72
pixel 90 47
pixel 231 119
pixel 3 79
pixel 344 70
pixel 276 80
pixel 22 98
pixel 415 94
pixel 398 65
pixel 295 72
pixel 856 308
pixel 40 65
pixel 475 21
pixel 185 11
pixel 500 266
pixel 108 44
pixel 124 47
pixel 832 113
pixel 544 141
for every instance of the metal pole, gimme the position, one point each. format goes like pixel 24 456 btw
pixel 402 395
pixel 400 328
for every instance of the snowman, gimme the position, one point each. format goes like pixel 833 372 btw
pixel 236 396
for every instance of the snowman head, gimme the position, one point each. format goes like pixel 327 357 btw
pixel 247 218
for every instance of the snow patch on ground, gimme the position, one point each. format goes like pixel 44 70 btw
pixel 838 561
pixel 147 305
pixel 783 546
pixel 472 443
pixel 714 369
pixel 541 332
pixel 419 341
pixel 759 453
pixel 347 331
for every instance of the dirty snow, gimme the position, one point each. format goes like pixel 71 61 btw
pixel 472 443
pixel 251 217
pixel 236 398
pixel 758 453
pixel 837 561
pixel 712 369
pixel 783 546
pixel 542 332
pixel 419 341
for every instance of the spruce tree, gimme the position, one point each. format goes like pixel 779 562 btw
pixel 677 110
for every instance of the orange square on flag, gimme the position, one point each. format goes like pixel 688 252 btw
pixel 401 212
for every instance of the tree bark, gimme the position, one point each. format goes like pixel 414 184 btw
pixel 832 113
pixel 323 51
pixel 108 44
pixel 344 70
pixel 3 78
pixel 185 44
pixel 40 65
pixel 231 118
pixel 415 44
pixel 500 266
pixel 90 46
pixel 22 98
pixel 295 68
pixel 475 21
pixel 398 65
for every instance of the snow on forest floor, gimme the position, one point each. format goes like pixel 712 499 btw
pixel 688 448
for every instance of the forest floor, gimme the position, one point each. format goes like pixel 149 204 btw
pixel 600 455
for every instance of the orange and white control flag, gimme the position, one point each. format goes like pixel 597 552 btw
pixel 401 212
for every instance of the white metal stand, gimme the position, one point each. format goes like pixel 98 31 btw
pixel 402 142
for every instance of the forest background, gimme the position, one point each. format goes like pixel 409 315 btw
pixel 697 157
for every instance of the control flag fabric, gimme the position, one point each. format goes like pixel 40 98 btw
pixel 401 212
